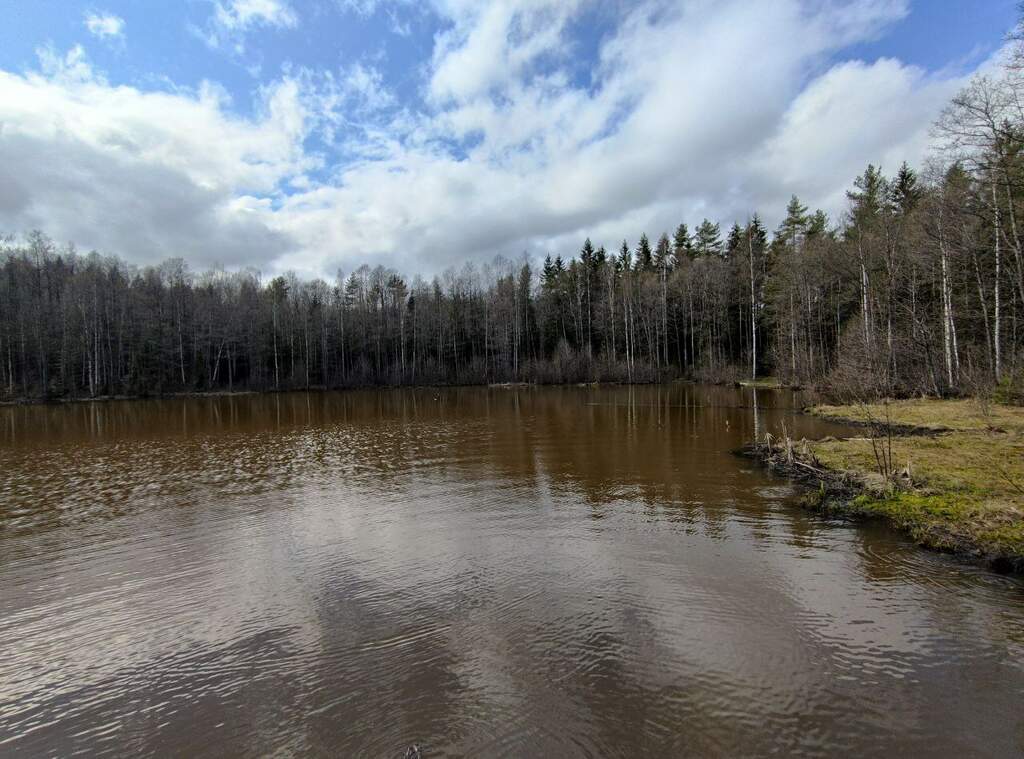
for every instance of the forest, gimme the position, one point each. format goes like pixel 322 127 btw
pixel 917 289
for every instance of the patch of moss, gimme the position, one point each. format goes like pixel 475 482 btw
pixel 938 521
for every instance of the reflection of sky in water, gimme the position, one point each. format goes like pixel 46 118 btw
pixel 541 571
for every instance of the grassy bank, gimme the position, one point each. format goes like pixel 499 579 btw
pixel 763 383
pixel 956 480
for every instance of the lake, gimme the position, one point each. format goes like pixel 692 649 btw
pixel 573 571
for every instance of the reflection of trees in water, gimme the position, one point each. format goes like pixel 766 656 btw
pixel 425 624
pixel 664 447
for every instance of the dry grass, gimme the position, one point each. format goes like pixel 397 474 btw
pixel 966 485
pixel 933 414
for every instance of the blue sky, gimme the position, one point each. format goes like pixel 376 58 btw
pixel 315 135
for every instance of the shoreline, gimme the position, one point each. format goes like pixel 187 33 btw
pixel 944 490
pixel 965 514
pixel 149 397
pixel 61 401
pixel 769 383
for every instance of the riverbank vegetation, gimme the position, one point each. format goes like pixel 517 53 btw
pixel 948 472
pixel 918 288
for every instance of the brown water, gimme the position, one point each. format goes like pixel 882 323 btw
pixel 487 572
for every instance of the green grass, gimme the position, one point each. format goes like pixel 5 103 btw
pixel 768 383
pixel 931 414
pixel 966 488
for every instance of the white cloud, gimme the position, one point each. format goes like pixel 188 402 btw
pixel 692 109
pixel 365 84
pixel 144 174
pixel 675 125
pixel 853 113
pixel 232 19
pixel 494 44
pixel 104 25
pixel 243 14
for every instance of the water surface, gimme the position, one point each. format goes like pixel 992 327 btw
pixel 521 572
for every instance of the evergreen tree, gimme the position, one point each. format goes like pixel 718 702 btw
pixel 794 226
pixel 750 243
pixel 708 239
pixel 868 196
pixel 758 232
pixel 663 255
pixel 547 277
pixel 682 244
pixel 905 193
pixel 817 225
pixel 644 258
pixel 587 255
pixel 734 240
pixel 625 260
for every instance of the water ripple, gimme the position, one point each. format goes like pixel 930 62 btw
pixel 556 572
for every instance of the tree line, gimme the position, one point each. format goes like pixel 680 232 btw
pixel 917 288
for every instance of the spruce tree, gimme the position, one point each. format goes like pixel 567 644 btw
pixel 644 258
pixel 663 255
pixel 905 193
pixel 547 277
pixel 682 243
pixel 625 259
pixel 587 255
pixel 734 240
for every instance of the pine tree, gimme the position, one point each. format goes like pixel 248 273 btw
pixel 794 226
pixel 708 240
pixel 869 195
pixel 547 277
pixel 905 193
pixel 754 239
pixel 663 255
pixel 663 264
pixel 587 255
pixel 757 231
pixel 644 258
pixel 817 225
pixel 682 244
pixel 625 260
pixel 867 200
pixel 734 240
pixel 589 264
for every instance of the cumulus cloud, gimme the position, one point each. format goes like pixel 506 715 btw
pixel 145 174
pixel 104 25
pixel 493 45
pixel 653 139
pixel 113 202
pixel 854 112
pixel 507 148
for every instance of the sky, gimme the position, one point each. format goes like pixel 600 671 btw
pixel 317 135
